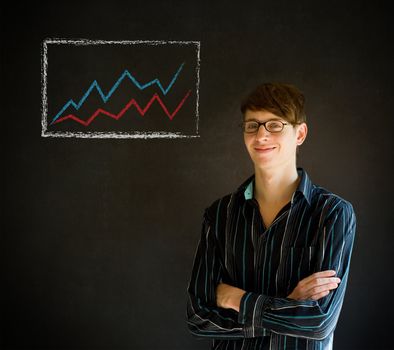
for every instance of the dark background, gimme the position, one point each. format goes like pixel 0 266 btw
pixel 98 236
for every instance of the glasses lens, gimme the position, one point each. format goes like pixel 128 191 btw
pixel 274 126
pixel 251 127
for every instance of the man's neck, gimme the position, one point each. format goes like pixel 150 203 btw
pixel 275 185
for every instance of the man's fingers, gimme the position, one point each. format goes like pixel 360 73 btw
pixel 320 274
pixel 323 288
pixel 318 279
pixel 320 295
pixel 318 282
pixel 316 285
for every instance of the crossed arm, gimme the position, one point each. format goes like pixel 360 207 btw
pixel 313 287
pixel 311 310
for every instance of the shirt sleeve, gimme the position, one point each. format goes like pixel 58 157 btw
pixel 205 319
pixel 308 318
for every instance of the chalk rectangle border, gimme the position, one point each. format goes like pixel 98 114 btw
pixel 112 135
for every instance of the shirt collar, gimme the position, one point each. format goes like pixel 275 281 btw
pixel 304 187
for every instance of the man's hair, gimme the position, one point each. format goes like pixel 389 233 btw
pixel 283 100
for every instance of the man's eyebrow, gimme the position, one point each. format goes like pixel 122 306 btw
pixel 256 120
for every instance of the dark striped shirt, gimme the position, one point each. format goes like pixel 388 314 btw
pixel 313 232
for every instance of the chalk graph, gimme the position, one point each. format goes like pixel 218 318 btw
pixel 132 105
pixel 132 102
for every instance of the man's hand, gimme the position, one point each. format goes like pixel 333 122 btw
pixel 228 297
pixel 315 286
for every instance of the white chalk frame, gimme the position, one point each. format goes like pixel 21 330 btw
pixel 112 135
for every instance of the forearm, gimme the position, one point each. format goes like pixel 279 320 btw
pixel 212 322
pixel 205 318
pixel 314 319
pixel 302 318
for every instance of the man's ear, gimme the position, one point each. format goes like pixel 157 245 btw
pixel 302 131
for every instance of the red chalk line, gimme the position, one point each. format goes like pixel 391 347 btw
pixel 132 102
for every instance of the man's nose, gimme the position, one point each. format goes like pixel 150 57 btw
pixel 262 133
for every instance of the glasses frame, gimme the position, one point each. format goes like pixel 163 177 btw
pixel 263 124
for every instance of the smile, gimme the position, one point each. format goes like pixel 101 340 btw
pixel 264 150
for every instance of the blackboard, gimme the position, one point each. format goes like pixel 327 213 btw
pixel 99 233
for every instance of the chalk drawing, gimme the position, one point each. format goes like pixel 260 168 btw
pixel 105 98
pixel 66 117
pixel 132 102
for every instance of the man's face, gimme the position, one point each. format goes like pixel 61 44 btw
pixel 270 150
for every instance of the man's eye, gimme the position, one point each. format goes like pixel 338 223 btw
pixel 275 125
pixel 251 126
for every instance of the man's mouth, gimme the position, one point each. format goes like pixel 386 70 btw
pixel 264 149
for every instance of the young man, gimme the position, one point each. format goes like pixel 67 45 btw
pixel 272 264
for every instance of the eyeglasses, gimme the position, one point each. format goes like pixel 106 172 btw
pixel 272 126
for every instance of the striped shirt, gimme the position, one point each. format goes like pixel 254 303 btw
pixel 313 232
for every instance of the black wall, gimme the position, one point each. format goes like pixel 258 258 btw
pixel 98 236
